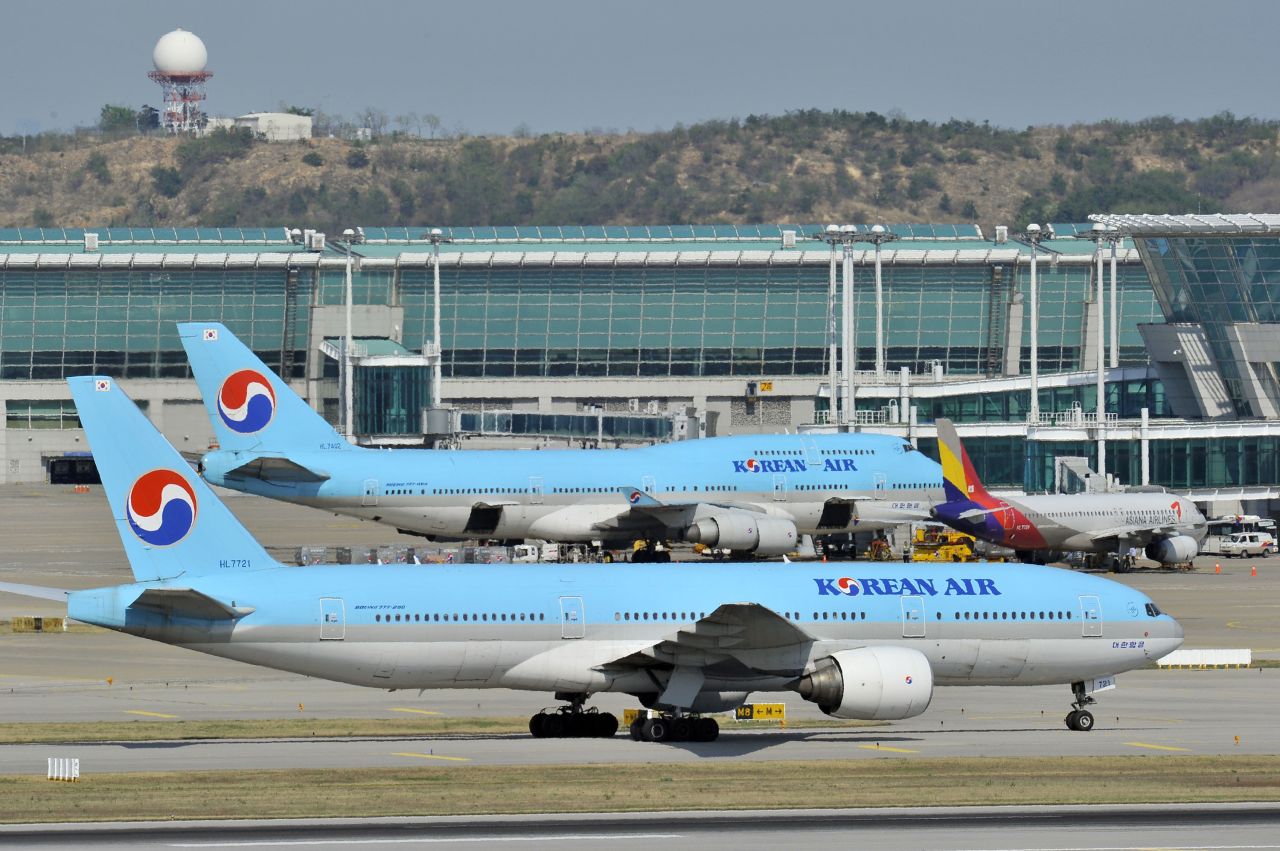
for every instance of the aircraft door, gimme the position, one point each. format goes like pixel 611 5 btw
pixel 333 620
pixel 648 484
pixel 913 617
pixel 370 496
pixel 1090 616
pixel 779 487
pixel 535 490
pixel 879 480
pixel 572 620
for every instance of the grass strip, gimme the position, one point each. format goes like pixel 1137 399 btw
pixel 729 784
pixel 319 728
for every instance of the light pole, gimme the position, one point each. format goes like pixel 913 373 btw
pixel 878 235
pixel 1099 234
pixel 348 392
pixel 835 235
pixel 436 236
pixel 1033 239
pixel 1114 236
pixel 847 337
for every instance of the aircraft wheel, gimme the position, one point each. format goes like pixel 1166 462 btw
pixel 1071 719
pixel 706 730
pixel 535 726
pixel 681 729
pixel 553 726
pixel 657 730
pixel 606 725
pixel 1084 721
pixel 637 729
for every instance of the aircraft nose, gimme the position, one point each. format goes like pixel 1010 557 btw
pixel 1165 639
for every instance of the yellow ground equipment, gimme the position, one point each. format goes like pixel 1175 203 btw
pixel 938 543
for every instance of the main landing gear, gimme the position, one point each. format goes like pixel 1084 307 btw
pixel 1079 718
pixel 573 722
pixel 675 728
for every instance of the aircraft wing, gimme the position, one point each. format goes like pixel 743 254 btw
pixel 746 633
pixel 647 512
pixel 275 468
pixel 1137 534
pixel 189 603
pixel 40 592
pixel 979 512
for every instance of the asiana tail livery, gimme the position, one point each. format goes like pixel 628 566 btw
pixel 749 494
pixel 1040 528
pixel 864 641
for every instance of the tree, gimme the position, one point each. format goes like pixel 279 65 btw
pixel 117 119
pixel 168 181
pixel 432 123
pixel 97 166
pixel 313 159
pixel 300 110
pixel 357 158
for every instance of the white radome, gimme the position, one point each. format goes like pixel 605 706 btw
pixel 180 52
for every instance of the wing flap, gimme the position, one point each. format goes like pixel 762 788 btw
pixel 746 632
pixel 275 468
pixel 190 603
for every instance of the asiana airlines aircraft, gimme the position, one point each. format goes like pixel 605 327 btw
pixel 748 494
pixel 867 641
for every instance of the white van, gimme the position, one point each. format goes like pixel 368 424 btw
pixel 1242 544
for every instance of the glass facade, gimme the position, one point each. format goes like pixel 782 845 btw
pixel 1217 280
pixel 389 399
pixel 745 319
pixel 56 323
pixel 586 426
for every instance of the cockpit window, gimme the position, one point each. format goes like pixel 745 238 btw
pixel 907 447
pixel 1153 610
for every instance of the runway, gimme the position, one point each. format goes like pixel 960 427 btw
pixel 68 540
pixel 1152 712
pixel 1105 828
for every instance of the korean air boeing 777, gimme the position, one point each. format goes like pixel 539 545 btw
pixel 861 640
pixel 749 494
pixel 1040 528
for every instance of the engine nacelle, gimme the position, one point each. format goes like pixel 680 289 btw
pixel 870 683
pixel 743 531
pixel 1175 550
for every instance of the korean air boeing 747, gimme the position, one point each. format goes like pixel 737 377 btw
pixel 1040 528
pixel 748 494
pixel 864 641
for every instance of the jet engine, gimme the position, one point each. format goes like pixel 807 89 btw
pixel 870 683
pixel 1173 550
pixel 743 531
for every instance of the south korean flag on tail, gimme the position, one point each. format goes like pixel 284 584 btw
pixel 210 335
pixel 102 385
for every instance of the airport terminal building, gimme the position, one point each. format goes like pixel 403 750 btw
pixel 618 335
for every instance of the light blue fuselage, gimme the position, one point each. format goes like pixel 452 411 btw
pixel 579 495
pixel 560 627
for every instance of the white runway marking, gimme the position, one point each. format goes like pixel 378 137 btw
pixel 276 843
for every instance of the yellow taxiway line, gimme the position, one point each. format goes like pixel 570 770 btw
pixel 886 748
pixel 433 756
pixel 415 711
pixel 148 714
pixel 1155 747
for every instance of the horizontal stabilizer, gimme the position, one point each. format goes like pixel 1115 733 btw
pixel 639 498
pixel 189 603
pixel 273 468
pixel 38 591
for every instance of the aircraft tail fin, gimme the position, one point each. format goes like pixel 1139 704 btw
pixel 959 479
pixel 249 405
pixel 169 520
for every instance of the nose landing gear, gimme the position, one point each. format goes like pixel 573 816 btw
pixel 573 722
pixel 1079 718
pixel 674 728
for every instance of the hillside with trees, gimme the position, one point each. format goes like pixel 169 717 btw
pixel 807 166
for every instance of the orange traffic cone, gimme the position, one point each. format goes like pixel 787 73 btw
pixel 1253 571
pixel 1217 568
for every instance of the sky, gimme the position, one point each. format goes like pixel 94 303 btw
pixel 490 66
